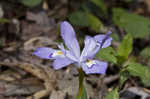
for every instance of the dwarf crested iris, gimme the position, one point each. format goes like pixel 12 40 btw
pixel 64 57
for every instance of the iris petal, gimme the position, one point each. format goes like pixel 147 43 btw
pixel 69 37
pixel 44 52
pixel 104 40
pixel 91 47
pixel 48 53
pixel 61 62
pixel 64 57
pixel 95 67
pixel 67 53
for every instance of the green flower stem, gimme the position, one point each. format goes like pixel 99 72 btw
pixel 81 78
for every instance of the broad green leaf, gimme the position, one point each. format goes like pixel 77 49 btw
pixel 145 53
pixel 124 75
pixel 125 48
pixel 113 94
pixel 79 18
pixel 107 54
pixel 94 22
pixel 136 25
pixel 101 5
pixel 136 69
pixel 31 3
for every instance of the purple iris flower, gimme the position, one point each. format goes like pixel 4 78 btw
pixel 64 57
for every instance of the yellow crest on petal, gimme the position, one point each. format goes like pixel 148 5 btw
pixel 58 53
pixel 89 63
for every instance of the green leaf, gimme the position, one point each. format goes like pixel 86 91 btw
pixel 84 94
pixel 31 3
pixel 145 53
pixel 124 75
pixel 94 22
pixel 136 69
pixel 79 18
pixel 115 37
pixel 4 20
pixel 113 94
pixel 107 54
pixel 136 25
pixel 125 48
pixel 101 5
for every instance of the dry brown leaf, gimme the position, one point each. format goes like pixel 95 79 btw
pixel 9 75
pixel 40 18
pixel 41 72
pixel 31 30
pixel 57 95
pixel 23 87
pixel 40 41
pixel 147 2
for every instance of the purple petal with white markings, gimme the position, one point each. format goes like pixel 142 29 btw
pixel 61 62
pixel 99 68
pixel 69 37
pixel 67 53
pixel 44 52
pixel 104 40
pixel 107 42
pixel 91 47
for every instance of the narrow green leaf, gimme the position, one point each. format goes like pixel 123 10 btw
pixel 107 54
pixel 79 18
pixel 125 48
pixel 94 22
pixel 136 69
pixel 136 25
pixel 84 94
pixel 31 3
pixel 113 94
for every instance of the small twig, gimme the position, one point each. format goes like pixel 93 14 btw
pixel 110 79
